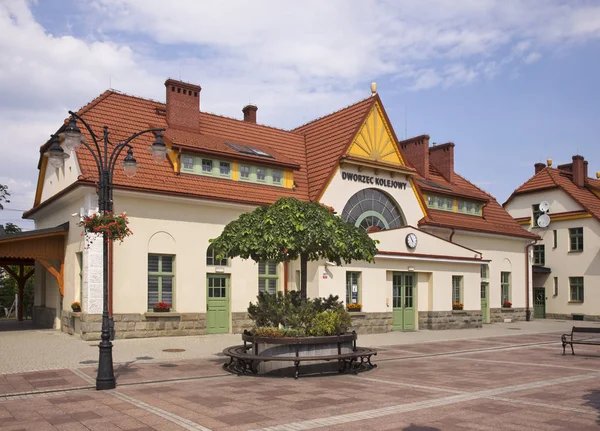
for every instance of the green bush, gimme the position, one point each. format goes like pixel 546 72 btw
pixel 286 315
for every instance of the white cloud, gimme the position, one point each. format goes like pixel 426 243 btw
pixel 296 60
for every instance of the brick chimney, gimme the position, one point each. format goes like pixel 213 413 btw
pixel 416 152
pixel 250 113
pixel 442 158
pixel 579 176
pixel 183 103
pixel 538 167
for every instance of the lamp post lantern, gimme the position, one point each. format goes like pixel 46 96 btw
pixel 105 158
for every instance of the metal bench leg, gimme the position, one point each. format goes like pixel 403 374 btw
pixel 297 366
pixel 572 351
pixel 564 345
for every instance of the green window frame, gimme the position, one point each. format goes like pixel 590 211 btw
pixel 457 288
pixel 225 169
pixel 261 174
pixel 536 213
pixel 353 294
pixel 454 205
pixel 207 166
pixel 576 289
pixel 268 277
pixel 485 271
pixel 187 163
pixel 576 239
pixel 539 254
pixel 161 279
pixel 211 258
pixel 505 287
pixel 245 172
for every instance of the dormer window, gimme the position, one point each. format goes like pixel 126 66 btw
pixel 455 205
pixel 207 165
pixel 188 162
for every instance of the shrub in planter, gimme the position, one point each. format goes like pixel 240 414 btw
pixel 76 307
pixel 289 316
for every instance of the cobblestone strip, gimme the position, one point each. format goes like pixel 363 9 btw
pixel 409 385
pixel 543 405
pixel 171 417
pixel 460 352
pixel 529 364
pixel 403 408
pixel 83 375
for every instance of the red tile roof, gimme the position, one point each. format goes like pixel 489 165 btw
pixel 125 114
pixel 314 150
pixel 549 178
pixel 327 139
pixel 494 218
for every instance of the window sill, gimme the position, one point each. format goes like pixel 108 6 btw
pixel 575 251
pixel 357 313
pixel 162 314
pixel 459 311
pixel 507 310
pixel 575 302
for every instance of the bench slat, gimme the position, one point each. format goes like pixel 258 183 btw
pixel 240 352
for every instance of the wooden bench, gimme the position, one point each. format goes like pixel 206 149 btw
pixel 242 362
pixel 568 338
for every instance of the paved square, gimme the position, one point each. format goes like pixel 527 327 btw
pixel 518 382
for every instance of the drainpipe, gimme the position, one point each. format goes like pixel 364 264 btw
pixel 527 310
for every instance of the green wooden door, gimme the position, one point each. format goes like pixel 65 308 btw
pixel 217 304
pixel 484 303
pixel 539 302
pixel 403 292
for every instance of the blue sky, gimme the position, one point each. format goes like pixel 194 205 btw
pixel 510 83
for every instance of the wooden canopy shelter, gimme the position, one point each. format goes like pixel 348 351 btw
pixel 24 248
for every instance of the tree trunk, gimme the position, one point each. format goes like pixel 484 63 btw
pixel 303 271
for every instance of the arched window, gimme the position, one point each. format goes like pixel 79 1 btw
pixel 373 210
pixel 211 258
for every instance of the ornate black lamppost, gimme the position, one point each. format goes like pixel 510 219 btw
pixel 106 159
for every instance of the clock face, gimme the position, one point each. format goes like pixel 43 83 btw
pixel 411 240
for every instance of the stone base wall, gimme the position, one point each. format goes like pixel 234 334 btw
pixel 43 317
pixel 240 321
pixel 458 319
pixel 497 315
pixel 371 323
pixel 586 317
pixel 89 326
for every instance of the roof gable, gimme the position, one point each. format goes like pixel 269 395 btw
pixel 588 197
pixel 375 140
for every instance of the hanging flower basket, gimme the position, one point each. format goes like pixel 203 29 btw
pixel 115 226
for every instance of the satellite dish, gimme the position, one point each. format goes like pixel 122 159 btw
pixel 544 206
pixel 543 220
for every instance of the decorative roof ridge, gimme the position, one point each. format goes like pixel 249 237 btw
pixel 414 138
pixel 103 96
pixel 295 129
pixel 265 126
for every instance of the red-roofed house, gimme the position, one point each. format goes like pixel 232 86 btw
pixel 562 206
pixel 442 240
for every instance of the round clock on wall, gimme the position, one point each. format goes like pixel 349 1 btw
pixel 411 240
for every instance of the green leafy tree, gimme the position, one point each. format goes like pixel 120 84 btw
pixel 4 194
pixel 290 229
